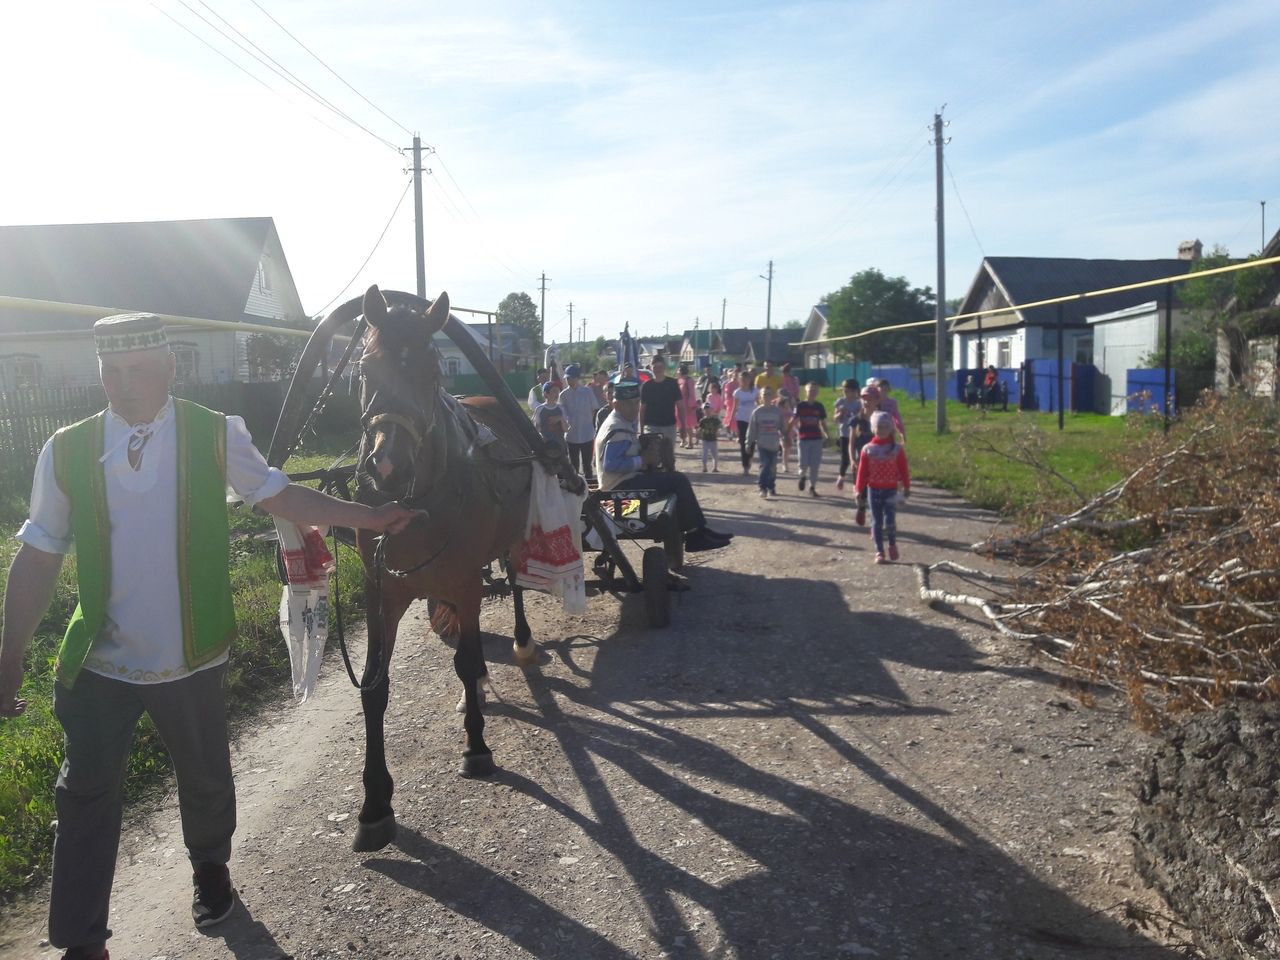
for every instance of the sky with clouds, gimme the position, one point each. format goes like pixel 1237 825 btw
pixel 650 158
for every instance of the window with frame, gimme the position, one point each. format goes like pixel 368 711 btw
pixel 187 359
pixel 19 371
pixel 452 366
pixel 1004 354
pixel 1084 349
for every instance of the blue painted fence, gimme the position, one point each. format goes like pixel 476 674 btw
pixel 1145 390
pixel 835 374
pixel 1040 386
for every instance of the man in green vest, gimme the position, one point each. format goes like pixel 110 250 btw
pixel 140 490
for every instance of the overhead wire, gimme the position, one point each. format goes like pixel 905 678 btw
pixel 298 86
pixel 248 73
pixel 956 187
pixel 318 60
pixel 404 193
pixel 287 74
pixel 325 102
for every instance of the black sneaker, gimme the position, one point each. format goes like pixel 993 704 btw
pixel 87 953
pixel 215 898
pixel 802 482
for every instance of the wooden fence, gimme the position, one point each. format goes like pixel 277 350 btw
pixel 29 417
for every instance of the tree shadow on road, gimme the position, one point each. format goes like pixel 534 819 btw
pixel 741 722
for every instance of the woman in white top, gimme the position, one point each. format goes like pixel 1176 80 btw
pixel 744 404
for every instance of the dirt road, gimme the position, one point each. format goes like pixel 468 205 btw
pixel 807 764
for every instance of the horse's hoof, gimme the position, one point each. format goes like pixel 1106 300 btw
pixel 374 836
pixel 525 655
pixel 478 764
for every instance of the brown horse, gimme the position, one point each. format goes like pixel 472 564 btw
pixel 467 468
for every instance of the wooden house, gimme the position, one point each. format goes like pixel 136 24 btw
pixel 1009 339
pixel 56 280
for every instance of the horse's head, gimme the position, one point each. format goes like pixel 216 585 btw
pixel 399 381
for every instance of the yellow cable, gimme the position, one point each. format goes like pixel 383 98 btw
pixel 1182 278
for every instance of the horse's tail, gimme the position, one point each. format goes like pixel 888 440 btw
pixel 444 620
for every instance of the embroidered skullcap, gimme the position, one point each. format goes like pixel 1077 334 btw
pixel 625 390
pixel 126 332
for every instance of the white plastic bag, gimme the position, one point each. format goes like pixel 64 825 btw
pixel 304 603
pixel 549 558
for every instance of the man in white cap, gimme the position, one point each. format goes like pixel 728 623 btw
pixel 622 461
pixel 140 489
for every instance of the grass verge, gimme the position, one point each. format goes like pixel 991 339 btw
pixel 1014 462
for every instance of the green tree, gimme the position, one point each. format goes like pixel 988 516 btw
pixel 871 300
pixel 591 356
pixel 272 357
pixel 519 309
pixel 1213 304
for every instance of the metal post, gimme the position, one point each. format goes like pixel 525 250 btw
pixel 940 308
pixel 490 316
pixel 417 216
pixel 768 314
pixel 1061 385
pixel 1168 350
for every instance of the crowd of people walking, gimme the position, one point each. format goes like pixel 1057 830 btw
pixel 776 424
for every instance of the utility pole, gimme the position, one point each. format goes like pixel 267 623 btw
pixel 571 323
pixel 542 312
pixel 940 308
pixel 418 171
pixel 768 313
pixel 724 302
pixel 1264 228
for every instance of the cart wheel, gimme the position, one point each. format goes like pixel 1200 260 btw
pixel 673 545
pixel 657 595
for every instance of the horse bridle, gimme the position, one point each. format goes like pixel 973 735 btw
pixel 417 435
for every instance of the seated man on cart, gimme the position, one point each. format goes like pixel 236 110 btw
pixel 621 463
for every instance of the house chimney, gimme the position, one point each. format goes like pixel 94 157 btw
pixel 1190 250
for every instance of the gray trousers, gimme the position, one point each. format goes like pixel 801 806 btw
pixel 810 458
pixel 99 716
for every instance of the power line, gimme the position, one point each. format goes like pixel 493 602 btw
pixel 296 84
pixel 465 198
pixel 252 76
pixel 453 208
pixel 317 59
pixel 956 187
pixel 377 244
pixel 288 74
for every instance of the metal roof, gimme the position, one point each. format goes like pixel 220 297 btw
pixel 193 268
pixel 1029 279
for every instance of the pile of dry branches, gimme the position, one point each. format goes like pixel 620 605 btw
pixel 1166 585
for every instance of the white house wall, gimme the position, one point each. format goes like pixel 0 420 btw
pixel 1119 346
pixel 71 361
pixel 1025 343
pixel 964 348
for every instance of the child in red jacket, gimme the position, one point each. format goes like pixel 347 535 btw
pixel 881 467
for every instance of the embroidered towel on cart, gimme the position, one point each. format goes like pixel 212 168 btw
pixel 549 558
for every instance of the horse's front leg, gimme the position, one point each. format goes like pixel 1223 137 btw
pixel 468 663
pixel 524 649
pixel 377 824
